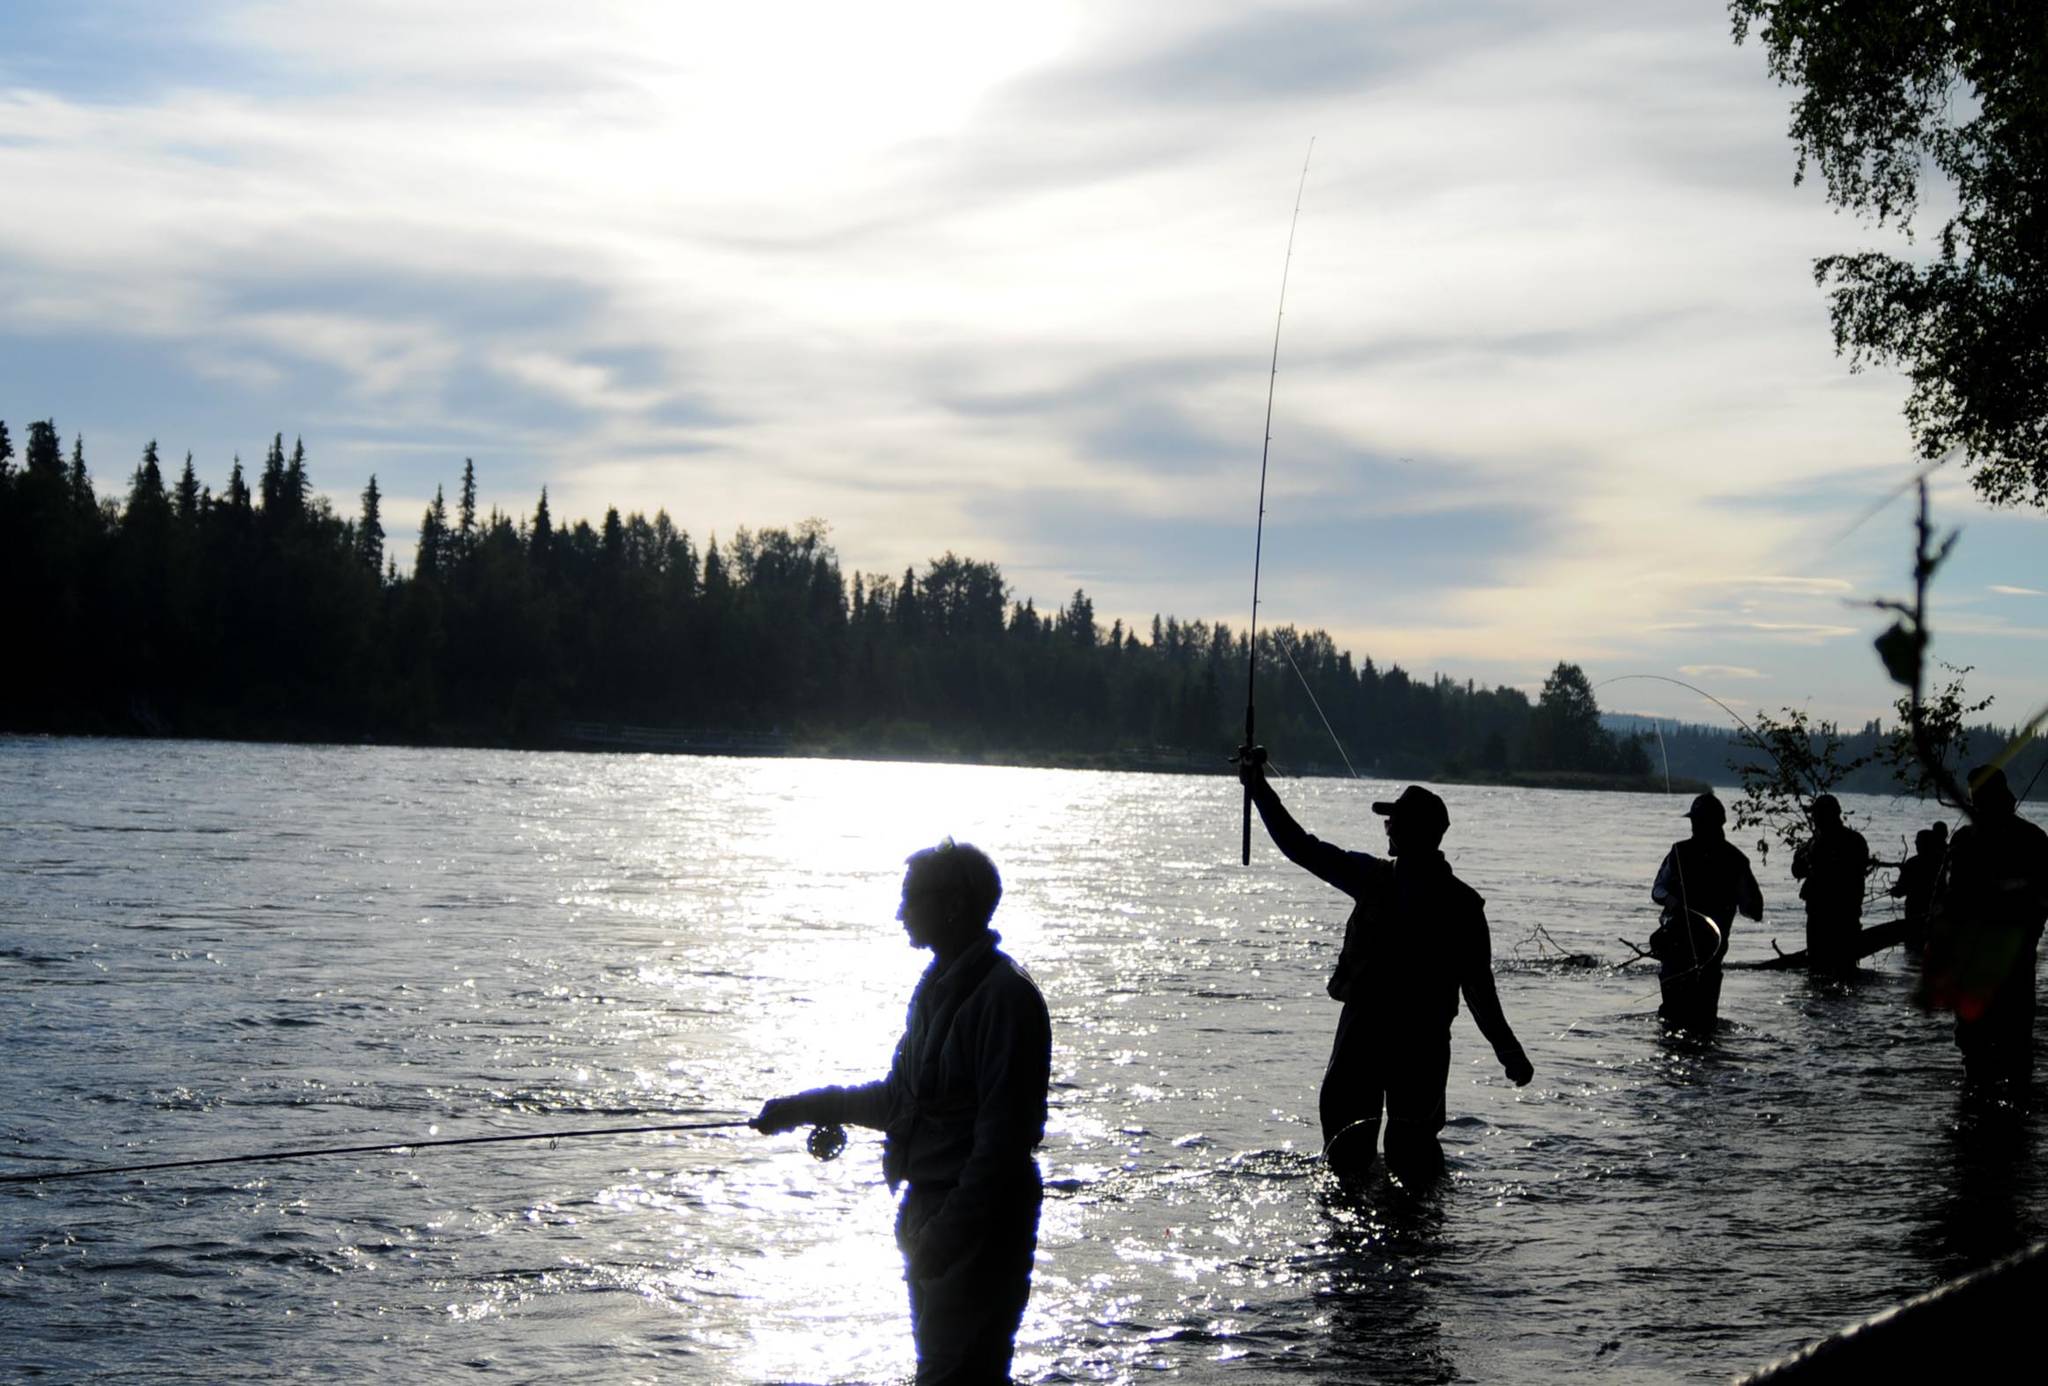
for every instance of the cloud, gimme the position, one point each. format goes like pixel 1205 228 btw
pixel 1720 671
pixel 1801 586
pixel 1800 632
pixel 2004 591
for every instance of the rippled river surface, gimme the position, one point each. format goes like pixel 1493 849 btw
pixel 213 948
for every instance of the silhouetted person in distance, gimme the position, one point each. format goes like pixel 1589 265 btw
pixel 1705 875
pixel 963 1108
pixel 1981 961
pixel 1919 875
pixel 1832 863
pixel 1416 938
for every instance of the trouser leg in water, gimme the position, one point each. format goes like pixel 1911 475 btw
pixel 1374 1068
pixel 965 1318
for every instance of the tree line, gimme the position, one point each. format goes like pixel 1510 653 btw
pixel 261 612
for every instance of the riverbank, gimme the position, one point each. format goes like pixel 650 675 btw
pixel 918 747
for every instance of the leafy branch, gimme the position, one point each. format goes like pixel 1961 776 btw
pixel 1803 759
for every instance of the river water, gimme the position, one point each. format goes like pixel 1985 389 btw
pixel 213 948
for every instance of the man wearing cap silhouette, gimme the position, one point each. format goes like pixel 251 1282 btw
pixel 1982 958
pixel 1704 883
pixel 1919 879
pixel 1416 938
pixel 962 1108
pixel 1832 864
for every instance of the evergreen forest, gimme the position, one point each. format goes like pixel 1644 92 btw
pixel 262 612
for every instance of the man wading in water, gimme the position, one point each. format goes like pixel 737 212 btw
pixel 963 1108
pixel 1982 958
pixel 1705 876
pixel 1832 863
pixel 1416 938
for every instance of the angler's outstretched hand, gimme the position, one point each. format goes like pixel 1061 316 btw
pixel 1519 1069
pixel 784 1114
pixel 1251 765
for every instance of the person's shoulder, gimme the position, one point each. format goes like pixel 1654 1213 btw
pixel 1013 978
pixel 1368 865
pixel 1462 895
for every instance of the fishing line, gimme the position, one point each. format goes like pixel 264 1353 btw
pixel 1251 649
pixel 1690 688
pixel 1289 652
pixel 822 1139
pixel 1691 942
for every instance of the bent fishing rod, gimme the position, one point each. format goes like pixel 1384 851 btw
pixel 1251 657
pixel 825 1142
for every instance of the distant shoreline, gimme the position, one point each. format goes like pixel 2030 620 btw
pixel 587 739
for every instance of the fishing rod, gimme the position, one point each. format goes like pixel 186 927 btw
pixel 1251 652
pixel 825 1142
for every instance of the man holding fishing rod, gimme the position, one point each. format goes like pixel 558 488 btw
pixel 1416 938
pixel 1703 883
pixel 963 1107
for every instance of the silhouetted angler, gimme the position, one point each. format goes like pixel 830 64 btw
pixel 1704 882
pixel 1980 963
pixel 1832 863
pixel 963 1108
pixel 1919 877
pixel 1416 938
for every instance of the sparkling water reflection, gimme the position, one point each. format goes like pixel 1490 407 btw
pixel 207 948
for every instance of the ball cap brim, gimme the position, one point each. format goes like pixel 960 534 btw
pixel 1418 806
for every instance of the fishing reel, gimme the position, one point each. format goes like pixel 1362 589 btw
pixel 826 1141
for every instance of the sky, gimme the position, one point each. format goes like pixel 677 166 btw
pixel 1554 380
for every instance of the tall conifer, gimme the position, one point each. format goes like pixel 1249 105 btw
pixel 237 495
pixel 370 529
pixel 81 482
pixel 298 488
pixel 427 558
pixel 466 510
pixel 543 535
pixel 146 498
pixel 43 456
pixel 270 487
pixel 188 493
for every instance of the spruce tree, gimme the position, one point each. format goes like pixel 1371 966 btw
pixel 237 495
pixel 543 535
pixel 427 558
pixel 82 497
pixel 466 511
pixel 188 494
pixel 6 453
pixel 270 488
pixel 370 529
pixel 146 498
pixel 297 487
pixel 43 457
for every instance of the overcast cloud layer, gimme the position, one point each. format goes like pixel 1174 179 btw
pixel 1555 382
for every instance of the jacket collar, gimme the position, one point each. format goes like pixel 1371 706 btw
pixel 969 962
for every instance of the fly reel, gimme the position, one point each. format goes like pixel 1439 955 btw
pixel 826 1141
